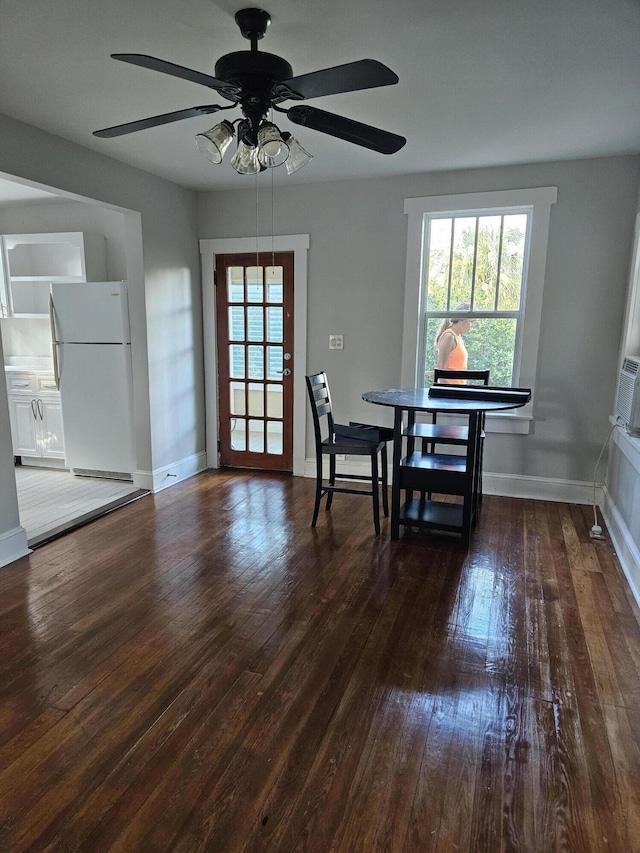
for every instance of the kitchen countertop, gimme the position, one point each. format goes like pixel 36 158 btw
pixel 17 363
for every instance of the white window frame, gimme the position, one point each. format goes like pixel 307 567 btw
pixel 538 202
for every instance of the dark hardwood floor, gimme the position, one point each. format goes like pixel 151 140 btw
pixel 201 670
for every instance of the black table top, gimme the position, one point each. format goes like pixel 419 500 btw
pixel 418 399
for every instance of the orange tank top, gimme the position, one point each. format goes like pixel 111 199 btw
pixel 457 357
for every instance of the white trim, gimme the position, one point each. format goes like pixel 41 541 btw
pixel 538 199
pixel 13 545
pixel 506 485
pixel 622 540
pixel 169 475
pixel 209 248
pixel 630 344
pixel 629 446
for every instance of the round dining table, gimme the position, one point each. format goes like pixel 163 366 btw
pixel 472 401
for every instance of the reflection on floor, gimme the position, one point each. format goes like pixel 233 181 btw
pixel 52 502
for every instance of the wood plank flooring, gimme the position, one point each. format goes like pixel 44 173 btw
pixel 202 671
pixel 51 501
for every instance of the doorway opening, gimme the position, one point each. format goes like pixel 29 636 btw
pixel 51 499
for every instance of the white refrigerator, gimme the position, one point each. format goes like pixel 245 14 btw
pixel 92 363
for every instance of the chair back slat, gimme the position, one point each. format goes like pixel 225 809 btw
pixel 320 399
pixel 470 376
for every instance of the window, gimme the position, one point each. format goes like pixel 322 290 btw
pixel 487 253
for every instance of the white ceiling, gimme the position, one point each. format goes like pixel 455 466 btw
pixel 481 83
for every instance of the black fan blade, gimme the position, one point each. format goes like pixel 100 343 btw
pixel 154 121
pixel 363 74
pixel 347 129
pixel 228 90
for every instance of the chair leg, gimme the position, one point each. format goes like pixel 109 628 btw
pixel 316 507
pixel 385 477
pixel 375 489
pixel 332 479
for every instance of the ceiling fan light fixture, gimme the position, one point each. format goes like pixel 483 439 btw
pixel 298 157
pixel 245 160
pixel 272 149
pixel 214 143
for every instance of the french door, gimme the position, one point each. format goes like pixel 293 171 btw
pixel 254 309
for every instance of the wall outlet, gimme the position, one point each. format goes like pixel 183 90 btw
pixel 336 342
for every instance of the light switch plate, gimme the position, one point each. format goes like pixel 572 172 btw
pixel 336 342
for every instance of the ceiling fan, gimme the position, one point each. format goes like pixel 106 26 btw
pixel 258 82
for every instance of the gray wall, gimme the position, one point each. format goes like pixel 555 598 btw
pixel 166 310
pixel 356 288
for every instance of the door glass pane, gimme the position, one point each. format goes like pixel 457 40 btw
pixel 235 284
pixel 275 289
pixel 236 323
pixel 255 324
pixel 236 398
pixel 238 434
pixel 274 362
pixel 256 436
pixel 275 408
pixel 274 324
pixel 254 284
pixel 256 399
pixel 274 439
pixel 236 362
pixel 256 362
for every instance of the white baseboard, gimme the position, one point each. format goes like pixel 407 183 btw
pixel 622 540
pixel 162 478
pixel 508 485
pixel 13 545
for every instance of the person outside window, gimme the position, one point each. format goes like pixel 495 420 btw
pixel 452 353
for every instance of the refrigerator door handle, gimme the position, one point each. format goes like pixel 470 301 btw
pixel 54 341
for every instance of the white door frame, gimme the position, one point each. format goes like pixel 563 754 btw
pixel 299 245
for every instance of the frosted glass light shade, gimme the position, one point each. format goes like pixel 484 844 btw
pixel 215 142
pixel 245 160
pixel 272 149
pixel 298 157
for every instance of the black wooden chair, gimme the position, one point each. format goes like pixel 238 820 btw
pixel 435 433
pixel 353 439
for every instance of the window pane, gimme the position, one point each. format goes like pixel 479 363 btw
pixel 274 439
pixel 275 362
pixel 256 436
pixel 236 398
pixel 274 324
pixel 438 264
pixel 487 256
pixel 256 399
pixel 236 362
pixel 255 357
pixel 255 324
pixel 235 284
pixel 275 290
pixel 238 434
pixel 464 243
pixel 236 323
pixel 274 401
pixel 490 344
pixel 254 284
pixel 512 261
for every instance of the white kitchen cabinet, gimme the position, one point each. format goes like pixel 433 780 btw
pixel 31 262
pixel 36 416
